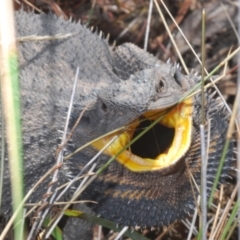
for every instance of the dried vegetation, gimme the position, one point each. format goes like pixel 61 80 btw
pixel 126 21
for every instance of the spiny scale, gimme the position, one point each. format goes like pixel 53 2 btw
pixel 118 86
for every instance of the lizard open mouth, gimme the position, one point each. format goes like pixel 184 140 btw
pixel 161 146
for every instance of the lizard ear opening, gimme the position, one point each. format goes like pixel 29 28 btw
pixel 156 141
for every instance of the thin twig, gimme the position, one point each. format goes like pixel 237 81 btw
pixel 148 24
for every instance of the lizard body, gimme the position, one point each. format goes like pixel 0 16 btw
pixel 118 86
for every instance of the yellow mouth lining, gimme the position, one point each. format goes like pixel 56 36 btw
pixel 179 118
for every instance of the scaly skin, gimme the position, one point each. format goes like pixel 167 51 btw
pixel 117 86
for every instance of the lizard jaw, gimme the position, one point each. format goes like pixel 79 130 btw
pixel 178 118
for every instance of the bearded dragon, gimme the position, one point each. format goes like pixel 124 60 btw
pixel 148 184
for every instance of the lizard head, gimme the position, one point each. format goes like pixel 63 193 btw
pixel 148 90
pixel 150 95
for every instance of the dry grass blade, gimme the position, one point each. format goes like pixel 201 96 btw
pixel 238 127
pixel 42 215
pixel 121 233
pixel 193 223
pixel 217 226
pixel 12 219
pixel 196 55
pixel 204 160
pixel 33 6
pixel 233 116
pixel 55 220
pixel 44 38
pixel 148 25
pixel 83 185
pixel 227 142
pixel 224 217
pixel 212 237
pixel 171 37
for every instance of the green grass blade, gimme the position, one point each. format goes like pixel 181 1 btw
pixel 105 223
pixel 11 106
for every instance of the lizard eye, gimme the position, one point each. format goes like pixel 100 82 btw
pixel 160 86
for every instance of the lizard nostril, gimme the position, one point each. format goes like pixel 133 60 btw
pixel 104 107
